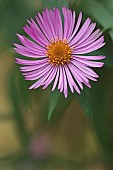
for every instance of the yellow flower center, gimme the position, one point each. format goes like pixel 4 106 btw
pixel 59 52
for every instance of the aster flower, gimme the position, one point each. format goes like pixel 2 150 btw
pixel 56 52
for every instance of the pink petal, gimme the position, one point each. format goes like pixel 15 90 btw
pixel 86 34
pixel 71 22
pixel 89 57
pixel 76 27
pixel 60 85
pixel 71 81
pixel 38 73
pixel 76 77
pixel 41 80
pixel 89 49
pixel 29 54
pixel 90 63
pixel 81 32
pixel 30 62
pixel 50 78
pixel 30 45
pixel 85 69
pixel 56 79
pixel 85 47
pixel 34 67
pixel 65 83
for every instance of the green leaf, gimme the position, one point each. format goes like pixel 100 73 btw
pixel 107 51
pixel 53 101
pixel 54 3
pixel 85 100
pixel 98 102
pixel 102 97
pixel 23 88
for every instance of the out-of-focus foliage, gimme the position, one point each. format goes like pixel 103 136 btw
pixel 13 16
pixel 54 98
pixel 102 95
pixel 39 137
pixel 54 3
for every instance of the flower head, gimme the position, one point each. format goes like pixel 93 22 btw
pixel 55 53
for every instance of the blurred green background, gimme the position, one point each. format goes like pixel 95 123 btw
pixel 79 135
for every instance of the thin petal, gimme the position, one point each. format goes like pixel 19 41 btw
pixel 81 32
pixel 30 62
pixel 89 57
pixel 86 34
pixel 50 78
pixel 76 77
pixel 76 27
pixel 49 20
pixel 30 31
pixel 85 69
pixel 71 81
pixel 80 73
pixel 58 21
pixel 43 26
pixel 95 35
pixel 84 76
pixel 90 63
pixel 91 39
pixel 71 22
pixel 89 49
pixel 65 83
pixel 37 52
pixel 34 67
pixel 25 49
pixel 41 80
pixel 85 47
pixel 60 85
pixel 29 44
pixel 56 79
pixel 52 14
pixel 64 11
pixel 38 31
pixel 29 54
pixel 47 23
pixel 38 73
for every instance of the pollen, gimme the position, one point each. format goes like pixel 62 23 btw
pixel 59 52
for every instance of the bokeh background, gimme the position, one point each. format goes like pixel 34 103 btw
pixel 79 132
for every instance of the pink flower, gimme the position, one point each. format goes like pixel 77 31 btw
pixel 55 53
